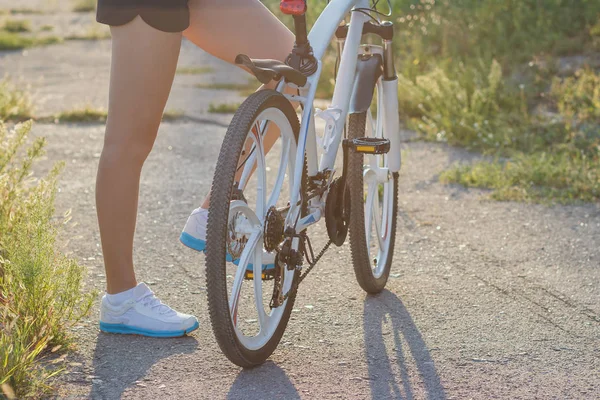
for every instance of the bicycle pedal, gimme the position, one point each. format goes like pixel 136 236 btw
pixel 266 276
pixel 368 145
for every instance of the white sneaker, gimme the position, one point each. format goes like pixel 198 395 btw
pixel 144 314
pixel 194 231
pixel 194 237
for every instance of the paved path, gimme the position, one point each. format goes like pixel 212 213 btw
pixel 486 299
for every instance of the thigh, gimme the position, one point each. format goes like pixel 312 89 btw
pixel 226 28
pixel 143 66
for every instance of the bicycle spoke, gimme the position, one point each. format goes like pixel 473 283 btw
pixel 284 161
pixel 239 275
pixel 369 214
pixel 258 293
pixel 376 212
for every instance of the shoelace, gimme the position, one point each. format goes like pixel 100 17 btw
pixel 150 300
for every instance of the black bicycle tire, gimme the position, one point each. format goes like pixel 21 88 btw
pixel 223 181
pixel 356 227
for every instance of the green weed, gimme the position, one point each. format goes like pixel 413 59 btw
pixel 24 11
pixel 16 26
pixel 537 177
pixel 228 86
pixel 172 115
pixel 40 289
pixel 86 114
pixel 84 5
pixel 14 103
pixel 94 33
pixel 194 70
pixel 14 41
pixel 223 108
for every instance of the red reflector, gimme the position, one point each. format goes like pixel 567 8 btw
pixel 293 7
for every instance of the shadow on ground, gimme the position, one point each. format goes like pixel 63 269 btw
pixel 267 381
pixel 389 378
pixel 121 360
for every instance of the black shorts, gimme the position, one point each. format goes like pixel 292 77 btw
pixel 165 15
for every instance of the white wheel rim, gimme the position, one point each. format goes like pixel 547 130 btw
pixel 378 206
pixel 253 250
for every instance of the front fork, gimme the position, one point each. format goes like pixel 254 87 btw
pixel 389 80
pixel 391 118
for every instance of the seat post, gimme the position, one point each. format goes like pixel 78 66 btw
pixel 301 58
pixel 300 28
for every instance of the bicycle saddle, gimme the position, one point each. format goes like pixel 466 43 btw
pixel 268 70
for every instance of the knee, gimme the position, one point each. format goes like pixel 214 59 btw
pixel 125 152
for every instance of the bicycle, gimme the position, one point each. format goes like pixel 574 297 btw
pixel 258 222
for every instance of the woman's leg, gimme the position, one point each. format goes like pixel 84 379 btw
pixel 144 61
pixel 226 28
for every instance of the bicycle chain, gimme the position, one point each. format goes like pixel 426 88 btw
pixel 310 267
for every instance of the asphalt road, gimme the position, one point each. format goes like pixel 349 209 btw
pixel 486 300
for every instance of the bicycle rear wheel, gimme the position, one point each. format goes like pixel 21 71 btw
pixel 373 200
pixel 249 188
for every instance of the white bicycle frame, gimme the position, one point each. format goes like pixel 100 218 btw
pixel 335 115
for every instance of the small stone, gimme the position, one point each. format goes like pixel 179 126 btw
pixel 162 386
pixel 342 363
pixel 310 307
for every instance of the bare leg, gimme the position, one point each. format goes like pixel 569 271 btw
pixel 143 67
pixel 226 28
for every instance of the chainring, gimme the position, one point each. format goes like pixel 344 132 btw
pixel 337 212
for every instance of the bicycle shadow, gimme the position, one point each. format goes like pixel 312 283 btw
pixel 386 383
pixel 266 381
pixel 121 360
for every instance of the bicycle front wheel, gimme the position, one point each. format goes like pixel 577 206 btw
pixel 250 297
pixel 373 200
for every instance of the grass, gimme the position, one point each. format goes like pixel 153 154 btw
pixel 482 74
pixel 16 26
pixel 92 34
pixel 85 114
pixel 241 87
pixel 536 177
pixel 23 11
pixel 40 289
pixel 89 114
pixel 46 28
pixel 15 41
pixel 14 103
pixel 84 6
pixel 223 108
pixel 172 115
pixel 194 70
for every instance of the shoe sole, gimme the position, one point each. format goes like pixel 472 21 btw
pixel 129 330
pixel 200 245
pixel 192 242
